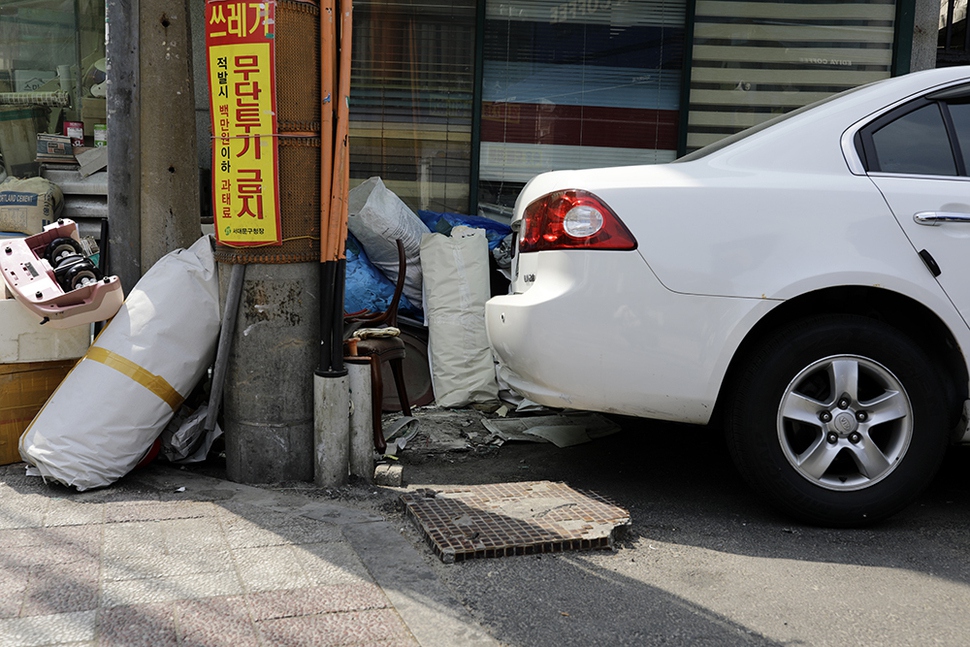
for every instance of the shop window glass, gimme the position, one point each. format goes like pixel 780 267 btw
pixel 411 99
pixel 51 71
pixel 577 84
pixel 754 60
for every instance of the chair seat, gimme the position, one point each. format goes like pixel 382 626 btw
pixel 384 348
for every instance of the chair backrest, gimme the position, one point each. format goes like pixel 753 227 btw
pixel 389 316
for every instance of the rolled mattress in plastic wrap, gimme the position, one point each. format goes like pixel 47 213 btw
pixel 108 411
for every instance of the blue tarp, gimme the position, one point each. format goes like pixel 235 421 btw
pixel 443 222
pixel 366 287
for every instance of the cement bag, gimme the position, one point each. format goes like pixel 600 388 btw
pixel 456 287
pixel 377 217
pixel 105 415
pixel 27 205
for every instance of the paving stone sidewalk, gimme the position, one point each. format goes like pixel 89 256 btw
pixel 147 563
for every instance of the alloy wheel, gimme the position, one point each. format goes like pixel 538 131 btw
pixel 845 422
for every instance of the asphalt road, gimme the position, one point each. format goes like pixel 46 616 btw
pixel 706 562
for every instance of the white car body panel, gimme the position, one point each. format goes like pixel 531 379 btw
pixel 542 333
pixel 669 317
pixel 949 242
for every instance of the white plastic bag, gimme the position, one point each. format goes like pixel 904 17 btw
pixel 377 217
pixel 185 439
pixel 456 287
pixel 105 415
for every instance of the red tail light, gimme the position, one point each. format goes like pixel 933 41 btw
pixel 572 219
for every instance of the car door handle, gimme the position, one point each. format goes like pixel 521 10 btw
pixel 935 218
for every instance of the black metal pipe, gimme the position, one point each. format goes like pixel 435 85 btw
pixel 103 248
pixel 949 26
pixel 337 325
pixel 327 272
pixel 966 30
pixel 331 319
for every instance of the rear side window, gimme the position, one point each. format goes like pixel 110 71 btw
pixel 929 136
pixel 960 114
pixel 916 142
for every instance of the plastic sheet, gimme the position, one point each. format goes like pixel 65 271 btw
pixel 377 217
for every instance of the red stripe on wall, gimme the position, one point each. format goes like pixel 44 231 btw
pixel 527 123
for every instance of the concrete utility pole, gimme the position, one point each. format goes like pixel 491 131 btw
pixel 124 137
pixel 153 182
pixel 267 409
pixel 268 397
pixel 170 216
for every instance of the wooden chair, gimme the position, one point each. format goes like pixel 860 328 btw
pixel 380 349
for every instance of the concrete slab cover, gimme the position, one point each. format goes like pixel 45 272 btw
pixel 500 519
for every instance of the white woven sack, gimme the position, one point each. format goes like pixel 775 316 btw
pixel 456 287
pixel 377 217
pixel 105 415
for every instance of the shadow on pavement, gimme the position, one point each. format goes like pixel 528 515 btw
pixel 226 564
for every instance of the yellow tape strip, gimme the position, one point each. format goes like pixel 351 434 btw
pixel 154 383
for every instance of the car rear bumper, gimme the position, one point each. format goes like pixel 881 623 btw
pixel 597 331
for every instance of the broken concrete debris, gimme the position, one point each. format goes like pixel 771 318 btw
pixel 389 475
pixel 562 430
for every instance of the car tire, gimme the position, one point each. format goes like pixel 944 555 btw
pixel 838 420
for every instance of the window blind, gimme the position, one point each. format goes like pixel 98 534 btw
pixel 577 84
pixel 411 99
pixel 757 59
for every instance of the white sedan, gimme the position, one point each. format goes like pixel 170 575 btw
pixel 805 283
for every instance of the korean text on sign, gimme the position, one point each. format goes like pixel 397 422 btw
pixel 242 96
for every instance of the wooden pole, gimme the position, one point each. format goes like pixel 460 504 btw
pixel 327 64
pixel 341 166
pixel 335 39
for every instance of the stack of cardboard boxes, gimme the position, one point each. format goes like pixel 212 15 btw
pixel 34 359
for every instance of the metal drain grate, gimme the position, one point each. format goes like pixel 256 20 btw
pixel 500 519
